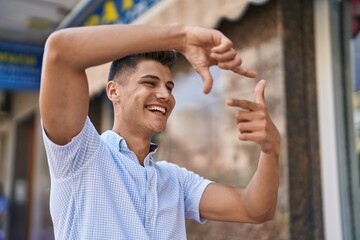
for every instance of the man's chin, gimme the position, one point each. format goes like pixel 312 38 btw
pixel 158 129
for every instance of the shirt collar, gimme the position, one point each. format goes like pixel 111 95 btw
pixel 119 143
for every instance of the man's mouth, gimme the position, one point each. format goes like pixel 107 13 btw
pixel 154 108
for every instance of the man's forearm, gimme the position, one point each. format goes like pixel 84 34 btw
pixel 91 46
pixel 261 193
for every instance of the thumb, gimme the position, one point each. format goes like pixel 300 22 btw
pixel 206 77
pixel 260 92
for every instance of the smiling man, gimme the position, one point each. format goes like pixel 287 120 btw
pixel 141 80
pixel 109 186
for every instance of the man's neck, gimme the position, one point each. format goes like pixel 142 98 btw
pixel 140 147
pixel 139 144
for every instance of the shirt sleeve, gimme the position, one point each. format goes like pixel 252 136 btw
pixel 193 187
pixel 65 160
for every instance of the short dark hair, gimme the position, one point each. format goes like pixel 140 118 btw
pixel 167 58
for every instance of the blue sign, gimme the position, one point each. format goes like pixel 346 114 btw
pixel 20 66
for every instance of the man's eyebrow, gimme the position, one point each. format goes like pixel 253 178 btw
pixel 151 76
pixel 157 78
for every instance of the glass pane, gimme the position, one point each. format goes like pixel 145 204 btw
pixel 354 133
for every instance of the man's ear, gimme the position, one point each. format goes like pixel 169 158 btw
pixel 112 91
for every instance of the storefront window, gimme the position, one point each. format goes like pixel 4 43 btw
pixel 355 107
pixel 350 45
pixel 355 46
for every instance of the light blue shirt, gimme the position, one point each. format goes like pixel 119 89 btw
pixel 100 191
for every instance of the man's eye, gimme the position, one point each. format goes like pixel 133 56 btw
pixel 149 83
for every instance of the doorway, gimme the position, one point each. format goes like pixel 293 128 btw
pixel 21 193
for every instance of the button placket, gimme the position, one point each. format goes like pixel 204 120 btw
pixel 151 198
pixel 148 196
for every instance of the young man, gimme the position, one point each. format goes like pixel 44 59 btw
pixel 109 186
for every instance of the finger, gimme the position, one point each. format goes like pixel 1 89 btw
pixel 224 57
pixel 250 127
pixel 244 72
pixel 260 92
pixel 225 45
pixel 207 79
pixel 232 64
pixel 252 136
pixel 244 104
pixel 245 116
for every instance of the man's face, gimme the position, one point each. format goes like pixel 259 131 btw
pixel 145 98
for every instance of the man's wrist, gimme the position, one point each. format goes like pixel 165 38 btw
pixel 179 31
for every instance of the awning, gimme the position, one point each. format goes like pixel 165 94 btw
pixel 206 13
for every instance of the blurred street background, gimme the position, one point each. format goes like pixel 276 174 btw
pixel 307 50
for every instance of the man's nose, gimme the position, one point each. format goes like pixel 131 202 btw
pixel 162 93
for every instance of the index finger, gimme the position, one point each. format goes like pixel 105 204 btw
pixel 244 72
pixel 241 103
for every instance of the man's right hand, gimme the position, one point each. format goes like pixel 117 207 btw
pixel 204 48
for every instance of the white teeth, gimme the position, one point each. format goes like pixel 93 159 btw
pixel 157 108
